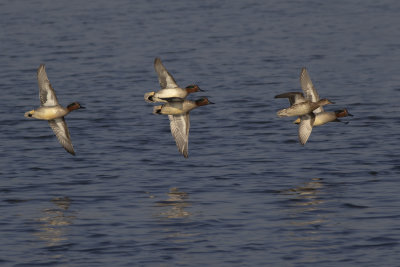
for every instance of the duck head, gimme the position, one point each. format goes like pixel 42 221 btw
pixel 342 113
pixel 74 106
pixel 203 101
pixel 325 101
pixel 193 88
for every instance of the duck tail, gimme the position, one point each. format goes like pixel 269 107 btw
pixel 148 97
pixel 282 113
pixel 29 114
pixel 157 110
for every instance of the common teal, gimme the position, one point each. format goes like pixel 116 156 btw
pixel 178 114
pixel 302 108
pixel 318 116
pixel 169 88
pixel 52 111
pixel 315 117
pixel 324 117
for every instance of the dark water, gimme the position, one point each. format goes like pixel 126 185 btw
pixel 249 194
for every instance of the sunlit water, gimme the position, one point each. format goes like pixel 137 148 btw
pixel 249 194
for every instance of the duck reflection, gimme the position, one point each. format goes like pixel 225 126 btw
pixel 55 221
pixel 306 200
pixel 176 204
pixel 307 221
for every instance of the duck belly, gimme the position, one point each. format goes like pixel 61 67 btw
pixel 173 109
pixel 324 117
pixel 49 113
pixel 171 92
pixel 295 110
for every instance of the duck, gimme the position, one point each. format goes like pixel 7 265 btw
pixel 304 108
pixel 51 111
pixel 178 114
pixel 301 108
pixel 324 117
pixel 315 117
pixel 169 87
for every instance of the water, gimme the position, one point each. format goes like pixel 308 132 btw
pixel 249 194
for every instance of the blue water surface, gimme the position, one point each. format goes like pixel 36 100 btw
pixel 249 194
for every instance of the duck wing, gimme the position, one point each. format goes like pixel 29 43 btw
pixel 309 89
pixel 164 77
pixel 305 127
pixel 47 95
pixel 60 129
pixel 294 97
pixel 180 125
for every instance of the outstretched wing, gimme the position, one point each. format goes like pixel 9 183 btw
pixel 294 97
pixel 164 77
pixel 60 129
pixel 180 125
pixel 46 92
pixel 305 127
pixel 309 89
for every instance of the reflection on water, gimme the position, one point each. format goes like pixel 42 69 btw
pixel 174 208
pixel 175 204
pixel 308 221
pixel 305 206
pixel 54 222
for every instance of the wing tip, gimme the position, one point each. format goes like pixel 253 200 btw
pixel 42 67
pixel 302 142
pixel 288 94
pixel 303 139
pixel 68 147
pixel 303 74
pixel 157 60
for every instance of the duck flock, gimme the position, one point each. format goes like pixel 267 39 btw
pixel 306 106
